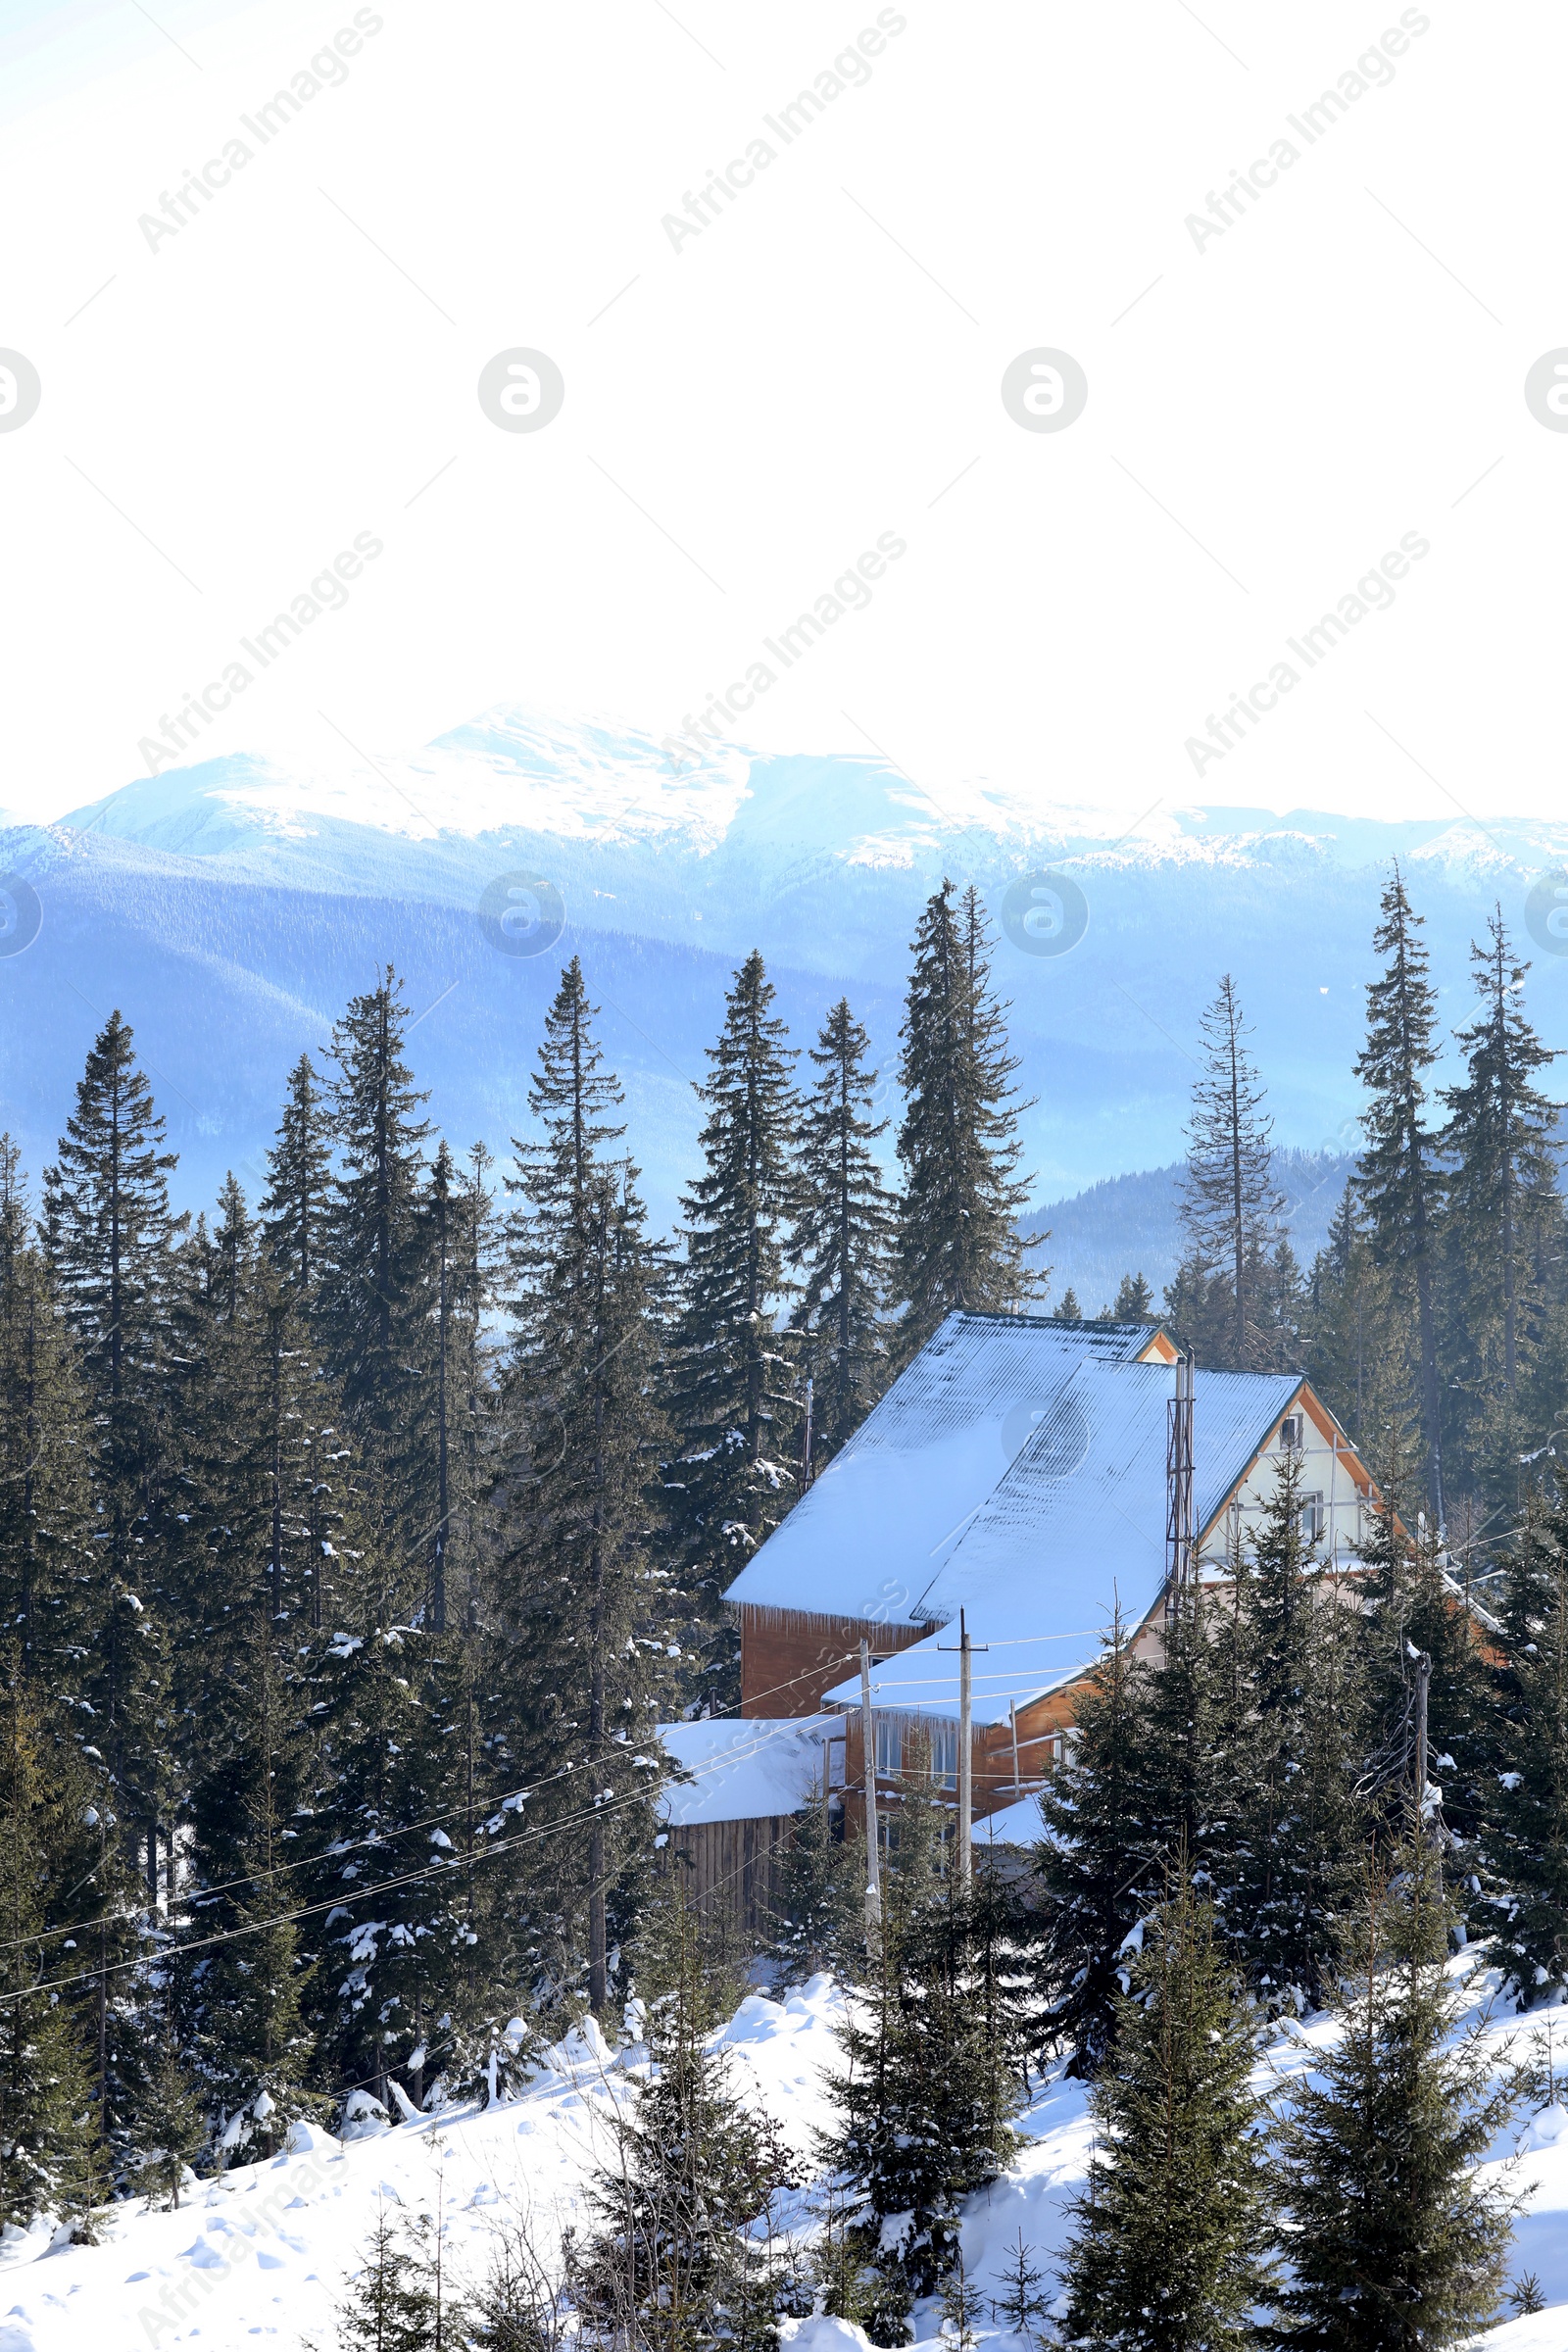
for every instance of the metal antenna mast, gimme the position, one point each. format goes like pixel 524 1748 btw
pixel 1181 1535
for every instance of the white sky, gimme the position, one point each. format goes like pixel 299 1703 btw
pixel 818 367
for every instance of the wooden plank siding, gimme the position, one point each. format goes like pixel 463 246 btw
pixel 733 1868
pixel 789 1657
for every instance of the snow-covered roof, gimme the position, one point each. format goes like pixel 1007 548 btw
pixel 746 1771
pixel 1070 1527
pixel 1016 1470
pixel 865 1540
pixel 1017 1824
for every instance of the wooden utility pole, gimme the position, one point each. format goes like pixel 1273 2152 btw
pixel 873 1858
pixel 966 1650
pixel 1423 1683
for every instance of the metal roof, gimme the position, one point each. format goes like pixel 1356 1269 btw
pixel 1016 1470
pixel 865 1540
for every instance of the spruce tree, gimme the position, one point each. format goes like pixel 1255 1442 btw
pixel 1352 1342
pixel 1526 1834
pixel 296 1211
pixel 1134 1301
pixel 672 2264
pixel 374 1291
pixel 843 1240
pixel 1400 1177
pixel 1394 2242
pixel 110 1236
pixel 171 2127
pixel 731 1389
pixel 1299 1811
pixel 930 2080
pixel 244 1983
pixel 1169 2246
pixel 46 2120
pixel 1099 1862
pixel 1415 1605
pixel 1230 1208
pixel 960 1244
pixel 1505 1228
pixel 45 1548
pixel 390 2305
pixel 819 1899
pixel 584 1603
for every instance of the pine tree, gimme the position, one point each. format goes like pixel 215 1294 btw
pixel 1100 1863
pixel 843 1240
pixel 1231 1207
pixel 730 1383
pixel 1503 1228
pixel 1400 1178
pixel 1394 2241
pixel 960 1244
pixel 1169 2248
pixel 1068 1309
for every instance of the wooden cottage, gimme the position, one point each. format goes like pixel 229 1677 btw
pixel 1019 1470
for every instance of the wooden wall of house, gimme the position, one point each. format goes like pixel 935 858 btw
pixel 732 1867
pixel 789 1657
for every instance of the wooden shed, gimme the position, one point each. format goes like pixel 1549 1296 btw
pixel 730 1818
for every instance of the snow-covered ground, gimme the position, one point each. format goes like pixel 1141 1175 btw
pixel 261 2255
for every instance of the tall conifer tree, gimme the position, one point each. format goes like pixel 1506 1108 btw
pixel 296 1211
pixel 959 1244
pixel 1394 2245
pixel 111 1237
pixel 1230 1208
pixel 732 1394
pixel 1170 2244
pixel 844 1238
pixel 1504 1226
pixel 374 1288
pixel 1400 1177
pixel 44 1531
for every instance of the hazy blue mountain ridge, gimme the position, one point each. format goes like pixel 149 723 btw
pixel 231 908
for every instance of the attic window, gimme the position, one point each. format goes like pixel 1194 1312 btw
pixel 1292 1433
pixel 1312 1518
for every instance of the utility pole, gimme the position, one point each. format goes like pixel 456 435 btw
pixel 873 1859
pixel 1423 1683
pixel 966 1761
pixel 805 1438
pixel 966 1650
